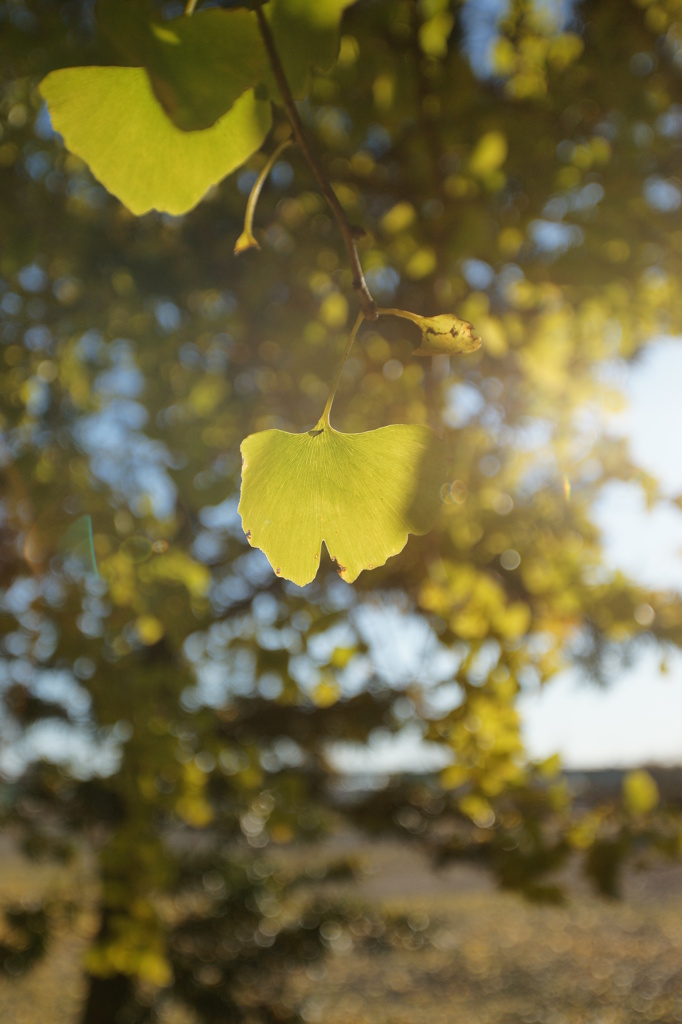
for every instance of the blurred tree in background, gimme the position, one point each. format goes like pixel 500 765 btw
pixel 166 699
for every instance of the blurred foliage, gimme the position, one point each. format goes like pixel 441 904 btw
pixel 178 710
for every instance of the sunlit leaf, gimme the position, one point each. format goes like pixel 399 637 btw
pixel 640 792
pixel 149 629
pixel 362 494
pixel 445 335
pixel 434 33
pixel 489 154
pixel 110 118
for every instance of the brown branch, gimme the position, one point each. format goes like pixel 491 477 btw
pixel 359 283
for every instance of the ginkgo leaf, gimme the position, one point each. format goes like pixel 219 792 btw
pixel 200 65
pixel 640 792
pixel 362 494
pixel 306 34
pixel 443 335
pixel 110 118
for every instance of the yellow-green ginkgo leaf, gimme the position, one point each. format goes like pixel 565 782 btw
pixel 110 118
pixel 362 494
pixel 443 335
pixel 640 792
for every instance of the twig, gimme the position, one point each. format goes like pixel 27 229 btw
pixel 359 283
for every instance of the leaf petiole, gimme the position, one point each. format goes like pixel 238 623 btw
pixel 247 240
pixel 402 313
pixel 324 419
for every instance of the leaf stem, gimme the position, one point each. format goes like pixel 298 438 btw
pixel 324 419
pixel 404 313
pixel 359 283
pixel 189 6
pixel 247 234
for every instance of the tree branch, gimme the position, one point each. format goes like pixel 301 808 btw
pixel 359 283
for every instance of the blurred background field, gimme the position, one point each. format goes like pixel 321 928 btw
pixel 452 946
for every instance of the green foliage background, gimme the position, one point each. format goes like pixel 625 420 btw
pixel 138 353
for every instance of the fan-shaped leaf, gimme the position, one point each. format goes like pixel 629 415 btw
pixel 200 65
pixel 110 118
pixel 362 494
pixel 306 34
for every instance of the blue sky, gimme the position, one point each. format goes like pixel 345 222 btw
pixel 639 717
